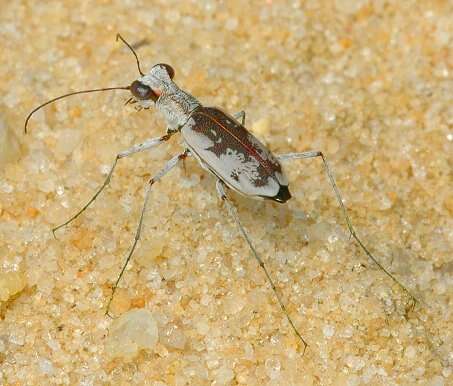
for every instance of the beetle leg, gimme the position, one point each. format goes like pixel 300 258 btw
pixel 148 144
pixel 173 130
pixel 240 116
pixel 313 154
pixel 233 213
pixel 168 166
pixel 130 101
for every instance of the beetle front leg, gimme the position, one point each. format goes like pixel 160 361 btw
pixel 146 145
pixel 173 130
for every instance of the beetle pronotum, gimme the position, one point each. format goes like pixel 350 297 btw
pixel 223 146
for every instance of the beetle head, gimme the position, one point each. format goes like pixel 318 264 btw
pixel 148 88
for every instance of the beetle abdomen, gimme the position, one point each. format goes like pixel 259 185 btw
pixel 234 154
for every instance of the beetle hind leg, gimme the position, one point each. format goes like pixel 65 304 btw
pixel 328 170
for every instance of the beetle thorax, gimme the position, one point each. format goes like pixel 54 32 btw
pixel 174 103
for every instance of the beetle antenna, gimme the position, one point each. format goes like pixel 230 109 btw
pixel 118 36
pixel 66 95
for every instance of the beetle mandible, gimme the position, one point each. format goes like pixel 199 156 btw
pixel 223 146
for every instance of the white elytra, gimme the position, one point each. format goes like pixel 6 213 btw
pixel 228 164
pixel 267 155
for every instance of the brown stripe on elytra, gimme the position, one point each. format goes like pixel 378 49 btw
pixel 241 137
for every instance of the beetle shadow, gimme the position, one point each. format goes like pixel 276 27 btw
pixel 276 217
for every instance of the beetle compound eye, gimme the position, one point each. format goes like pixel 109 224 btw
pixel 169 69
pixel 142 92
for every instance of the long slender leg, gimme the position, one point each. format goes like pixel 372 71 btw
pixel 240 116
pixel 313 154
pixel 168 166
pixel 148 144
pixel 233 213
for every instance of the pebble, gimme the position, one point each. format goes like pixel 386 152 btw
pixel 133 331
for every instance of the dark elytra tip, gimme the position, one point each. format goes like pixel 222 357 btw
pixel 283 194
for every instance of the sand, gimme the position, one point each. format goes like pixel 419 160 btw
pixel 367 83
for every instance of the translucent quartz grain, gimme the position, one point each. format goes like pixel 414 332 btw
pixel 9 145
pixel 133 331
pixel 11 283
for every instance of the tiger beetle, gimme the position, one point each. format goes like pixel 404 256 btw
pixel 222 146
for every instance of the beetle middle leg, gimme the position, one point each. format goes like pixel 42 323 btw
pixel 146 145
pixel 314 154
pixel 233 213
pixel 168 166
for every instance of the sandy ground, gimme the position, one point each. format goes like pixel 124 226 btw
pixel 368 83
